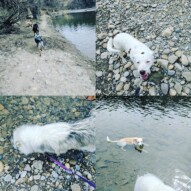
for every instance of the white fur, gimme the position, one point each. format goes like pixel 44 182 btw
pixel 55 138
pixel 149 182
pixel 139 53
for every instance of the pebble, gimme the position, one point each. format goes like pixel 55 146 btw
pixel 75 187
pixel 38 164
pixel 164 88
pixel 136 74
pixel 184 60
pixel 99 73
pixel 1 166
pixel 167 32
pixel 104 55
pixel 34 188
pixel 171 72
pixel 123 79
pixel 172 59
pixel 178 88
pixel 119 87
pixel 152 91
pixel 8 178
pixel 172 92
pixel 117 76
pixel 1 107
pixel 126 74
pixel 178 66
pixel 126 87
pixel 27 168
pixel 187 76
pixel 163 63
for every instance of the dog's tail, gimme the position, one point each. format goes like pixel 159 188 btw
pixel 110 141
pixel 110 46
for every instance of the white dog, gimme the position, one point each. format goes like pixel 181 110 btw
pixel 127 141
pixel 139 53
pixel 55 138
pixel 149 182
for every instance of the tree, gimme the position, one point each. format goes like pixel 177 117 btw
pixel 11 11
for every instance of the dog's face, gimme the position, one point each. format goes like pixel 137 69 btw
pixel 20 143
pixel 143 62
pixel 138 141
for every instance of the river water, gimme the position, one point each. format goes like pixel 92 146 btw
pixel 165 125
pixel 79 29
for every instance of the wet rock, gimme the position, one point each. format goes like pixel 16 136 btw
pixel 172 92
pixel 164 88
pixel 178 88
pixel 37 164
pixel 172 59
pixel 184 60
pixel 75 187
pixel 163 63
pixel 187 76
pixel 126 87
pixel 1 166
pixel 119 87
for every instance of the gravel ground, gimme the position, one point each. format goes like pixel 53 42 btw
pixel 35 172
pixel 165 27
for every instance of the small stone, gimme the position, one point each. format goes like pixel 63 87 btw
pixel 136 74
pixel 117 77
pixel 37 177
pixel 170 67
pixel 164 88
pixel 73 162
pixel 178 87
pixel 101 36
pixel 23 174
pixel 123 79
pixel 8 178
pixel 171 72
pixel 34 188
pixel 119 87
pixel 1 150
pixel 20 181
pixel 67 165
pixel 1 167
pixel 126 74
pixel 1 107
pixel 172 59
pixel 54 174
pixel 172 92
pixel 178 53
pixel 137 81
pixel 75 187
pixel 187 76
pixel 25 100
pixel 104 55
pixel 163 63
pixel 152 91
pixel 167 32
pixel 37 164
pixel 99 73
pixel 184 60
pixel 27 168
pixel 126 87
pixel 178 66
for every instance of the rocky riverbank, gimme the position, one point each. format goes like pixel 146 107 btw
pixel 163 26
pixel 35 172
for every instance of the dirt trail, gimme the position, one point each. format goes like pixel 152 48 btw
pixel 61 70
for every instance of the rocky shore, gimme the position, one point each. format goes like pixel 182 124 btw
pixel 164 27
pixel 36 172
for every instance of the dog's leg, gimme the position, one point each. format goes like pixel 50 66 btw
pixel 123 148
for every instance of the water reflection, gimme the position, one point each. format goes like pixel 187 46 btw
pixel 79 28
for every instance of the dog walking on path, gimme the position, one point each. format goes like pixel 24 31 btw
pixel 39 41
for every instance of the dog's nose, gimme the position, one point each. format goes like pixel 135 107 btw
pixel 142 72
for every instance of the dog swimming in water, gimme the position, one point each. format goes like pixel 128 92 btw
pixel 55 138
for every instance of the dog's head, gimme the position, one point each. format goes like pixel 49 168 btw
pixel 19 141
pixel 143 61
pixel 138 141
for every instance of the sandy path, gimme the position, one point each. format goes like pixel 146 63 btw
pixel 61 70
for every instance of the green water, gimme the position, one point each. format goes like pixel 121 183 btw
pixel 165 125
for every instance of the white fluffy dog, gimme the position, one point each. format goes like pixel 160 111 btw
pixel 139 53
pixel 149 182
pixel 55 138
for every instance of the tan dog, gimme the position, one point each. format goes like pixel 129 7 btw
pixel 136 141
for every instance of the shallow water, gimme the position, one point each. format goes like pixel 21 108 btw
pixel 165 125
pixel 79 29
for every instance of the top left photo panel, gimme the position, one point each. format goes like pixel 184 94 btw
pixel 47 47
